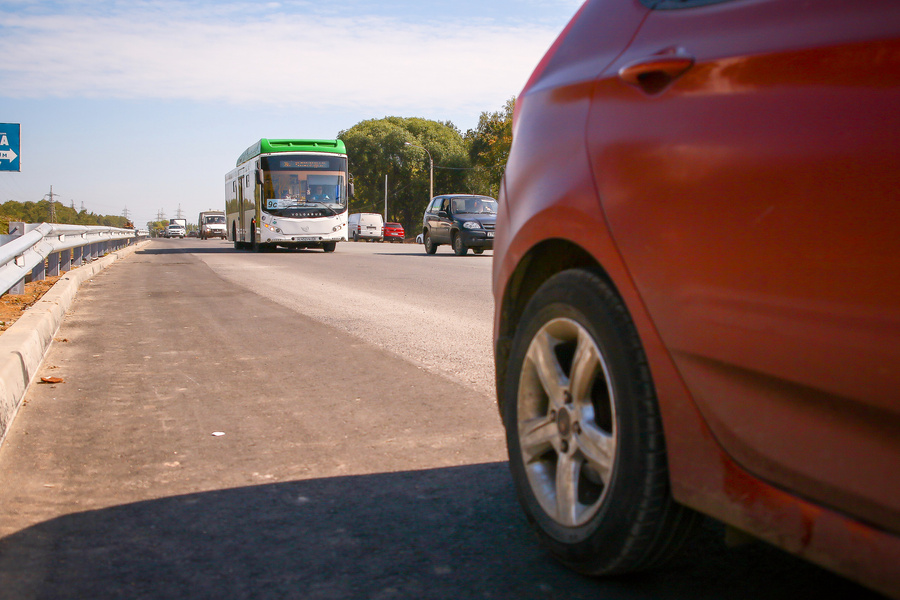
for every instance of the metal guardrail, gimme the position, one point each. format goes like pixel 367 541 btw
pixel 39 250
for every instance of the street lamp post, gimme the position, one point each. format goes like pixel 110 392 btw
pixel 430 172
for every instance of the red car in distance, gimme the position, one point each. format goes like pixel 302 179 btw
pixel 697 299
pixel 393 232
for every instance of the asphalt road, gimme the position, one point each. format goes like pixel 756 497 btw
pixel 209 441
pixel 435 311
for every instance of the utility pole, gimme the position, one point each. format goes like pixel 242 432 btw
pixel 430 170
pixel 385 198
pixel 179 213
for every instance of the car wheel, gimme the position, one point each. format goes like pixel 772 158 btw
pixel 329 246
pixel 430 246
pixel 478 250
pixel 458 246
pixel 584 433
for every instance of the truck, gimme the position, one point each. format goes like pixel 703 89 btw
pixel 176 228
pixel 210 224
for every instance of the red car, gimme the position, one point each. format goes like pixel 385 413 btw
pixel 696 282
pixel 393 232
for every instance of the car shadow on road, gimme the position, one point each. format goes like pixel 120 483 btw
pixel 440 533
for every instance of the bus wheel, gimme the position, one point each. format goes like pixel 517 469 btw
pixel 237 244
pixel 329 246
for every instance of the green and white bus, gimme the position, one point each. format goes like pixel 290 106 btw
pixel 289 193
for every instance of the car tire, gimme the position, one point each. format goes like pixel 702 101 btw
pixel 329 246
pixel 430 246
pixel 478 250
pixel 458 246
pixel 584 432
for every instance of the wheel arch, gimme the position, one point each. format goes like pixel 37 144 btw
pixel 539 264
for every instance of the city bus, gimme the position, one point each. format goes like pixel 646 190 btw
pixel 289 193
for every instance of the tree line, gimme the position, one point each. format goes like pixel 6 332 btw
pixel 39 212
pixel 470 163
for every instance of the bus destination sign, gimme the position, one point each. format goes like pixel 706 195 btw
pixel 305 164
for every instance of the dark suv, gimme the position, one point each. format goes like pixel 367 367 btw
pixel 462 220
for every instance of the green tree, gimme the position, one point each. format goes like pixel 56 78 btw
pixel 377 147
pixel 157 227
pixel 489 145
pixel 39 212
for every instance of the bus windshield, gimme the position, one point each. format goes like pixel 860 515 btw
pixel 215 219
pixel 301 185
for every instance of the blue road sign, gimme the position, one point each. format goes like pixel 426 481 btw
pixel 9 147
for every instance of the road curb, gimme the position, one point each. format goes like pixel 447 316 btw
pixel 24 345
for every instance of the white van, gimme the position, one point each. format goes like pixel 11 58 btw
pixel 366 226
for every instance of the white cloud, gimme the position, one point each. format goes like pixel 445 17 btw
pixel 297 60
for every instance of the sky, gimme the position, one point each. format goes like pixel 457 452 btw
pixel 144 105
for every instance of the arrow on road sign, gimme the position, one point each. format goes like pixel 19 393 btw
pixel 8 155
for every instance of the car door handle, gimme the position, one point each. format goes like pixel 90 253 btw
pixel 653 74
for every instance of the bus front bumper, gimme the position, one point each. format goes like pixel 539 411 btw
pixel 269 237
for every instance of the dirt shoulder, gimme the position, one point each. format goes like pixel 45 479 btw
pixel 13 306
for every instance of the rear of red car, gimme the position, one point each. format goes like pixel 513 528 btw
pixel 393 232
pixel 693 254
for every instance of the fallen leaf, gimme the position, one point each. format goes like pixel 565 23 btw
pixel 51 380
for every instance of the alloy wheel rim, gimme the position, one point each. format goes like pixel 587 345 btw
pixel 566 422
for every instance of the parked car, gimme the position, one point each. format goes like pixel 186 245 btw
pixel 393 232
pixel 695 282
pixel 366 226
pixel 462 220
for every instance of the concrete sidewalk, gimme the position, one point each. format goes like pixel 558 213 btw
pixel 24 344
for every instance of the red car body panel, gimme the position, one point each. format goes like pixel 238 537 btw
pixel 734 170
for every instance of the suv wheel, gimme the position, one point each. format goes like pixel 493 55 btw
pixel 458 246
pixel 584 432
pixel 430 246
